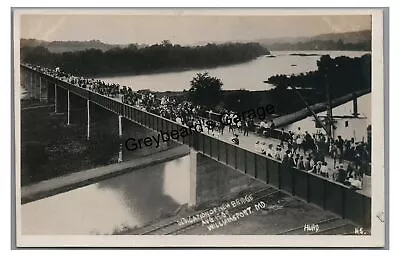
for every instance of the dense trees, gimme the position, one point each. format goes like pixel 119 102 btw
pixel 344 74
pixel 136 60
pixel 205 90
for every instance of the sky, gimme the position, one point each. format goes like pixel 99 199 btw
pixel 183 29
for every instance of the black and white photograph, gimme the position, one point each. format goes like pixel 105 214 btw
pixel 208 127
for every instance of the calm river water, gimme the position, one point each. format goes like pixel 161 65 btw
pixel 249 75
pixel 132 199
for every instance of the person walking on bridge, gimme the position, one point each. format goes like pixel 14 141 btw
pixel 299 142
pixel 246 127
pixel 333 150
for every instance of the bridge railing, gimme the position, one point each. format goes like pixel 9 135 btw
pixel 325 193
pixel 322 192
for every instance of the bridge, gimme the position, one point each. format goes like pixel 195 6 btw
pixel 326 194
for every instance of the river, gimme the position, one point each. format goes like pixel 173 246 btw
pixel 249 75
pixel 132 199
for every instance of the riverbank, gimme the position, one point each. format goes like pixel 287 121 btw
pixel 168 70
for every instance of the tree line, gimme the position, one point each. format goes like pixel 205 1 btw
pixel 343 74
pixel 134 60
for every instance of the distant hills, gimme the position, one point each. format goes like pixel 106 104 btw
pixel 358 40
pixel 72 46
pixel 347 37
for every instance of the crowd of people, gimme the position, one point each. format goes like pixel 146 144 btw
pixel 95 85
pixel 339 149
pixel 310 152
pixel 183 112
pixel 312 163
pixel 298 149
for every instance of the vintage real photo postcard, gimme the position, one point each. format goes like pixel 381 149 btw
pixel 199 127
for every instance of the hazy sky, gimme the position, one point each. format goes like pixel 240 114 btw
pixel 183 29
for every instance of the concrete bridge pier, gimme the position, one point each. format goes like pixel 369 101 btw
pixel 68 109
pixel 40 88
pixel 74 107
pixel 55 98
pixel 37 87
pixel 34 91
pixel 88 119
pixel 120 126
pixel 120 136
pixel 43 89
pixel 24 79
pixel 47 86
pixel 35 84
pixel 60 99
pixel 31 85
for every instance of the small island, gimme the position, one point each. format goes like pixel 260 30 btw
pixel 302 54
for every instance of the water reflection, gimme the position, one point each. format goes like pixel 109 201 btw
pixel 128 200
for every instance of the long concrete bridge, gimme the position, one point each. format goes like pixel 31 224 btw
pixel 311 188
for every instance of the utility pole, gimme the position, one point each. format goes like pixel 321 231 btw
pixel 321 123
pixel 328 106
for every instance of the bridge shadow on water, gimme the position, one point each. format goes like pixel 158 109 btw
pixel 154 192
pixel 126 201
